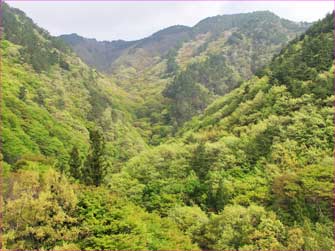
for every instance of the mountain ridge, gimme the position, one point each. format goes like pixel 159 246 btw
pixel 186 33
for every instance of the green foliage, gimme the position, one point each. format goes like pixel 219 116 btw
pixel 303 59
pixel 22 31
pixel 266 142
pixel 188 97
pixel 50 118
pixel 193 89
pixel 308 192
pixel 188 219
pixel 96 166
pixel 236 227
pixel 75 163
pixel 54 214
pixel 200 161
pixel 112 224
pixel 252 172
pixel 125 186
pixel 171 64
pixel 39 211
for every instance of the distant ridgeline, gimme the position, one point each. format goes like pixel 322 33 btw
pixel 260 27
pixel 252 171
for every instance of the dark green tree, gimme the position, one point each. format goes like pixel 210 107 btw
pixel 96 165
pixel 75 163
pixel 200 161
pixel 171 64
pixel 23 93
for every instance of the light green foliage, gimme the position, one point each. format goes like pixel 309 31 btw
pixel 318 236
pixel 177 72
pixel 39 210
pixel 253 171
pixel 49 112
pixel 110 223
pixel 307 192
pixel 233 49
pixel 188 219
pixel 123 185
pixel 242 228
pixel 163 171
pixel 295 239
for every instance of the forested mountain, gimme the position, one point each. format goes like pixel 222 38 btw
pixel 178 71
pixel 261 27
pixel 106 56
pixel 254 171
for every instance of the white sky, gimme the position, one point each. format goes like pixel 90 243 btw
pixel 134 20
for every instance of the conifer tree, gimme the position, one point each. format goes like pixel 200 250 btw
pixel 95 165
pixel 75 163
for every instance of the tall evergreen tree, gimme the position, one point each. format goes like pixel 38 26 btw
pixel 96 164
pixel 75 163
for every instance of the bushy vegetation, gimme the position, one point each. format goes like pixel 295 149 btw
pixel 253 171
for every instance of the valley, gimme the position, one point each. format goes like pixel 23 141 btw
pixel 218 136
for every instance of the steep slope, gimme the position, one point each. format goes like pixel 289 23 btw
pixel 178 71
pixel 233 49
pixel 95 53
pixel 216 62
pixel 108 56
pixel 50 98
pixel 260 158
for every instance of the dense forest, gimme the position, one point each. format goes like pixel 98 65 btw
pixel 209 146
pixel 177 72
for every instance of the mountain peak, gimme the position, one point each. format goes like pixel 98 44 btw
pixel 72 38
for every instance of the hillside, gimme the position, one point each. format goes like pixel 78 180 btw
pixel 108 55
pixel 253 171
pixel 56 111
pixel 230 50
pixel 263 152
pixel 51 98
pixel 178 71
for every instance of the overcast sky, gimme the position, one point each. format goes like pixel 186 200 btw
pixel 134 20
